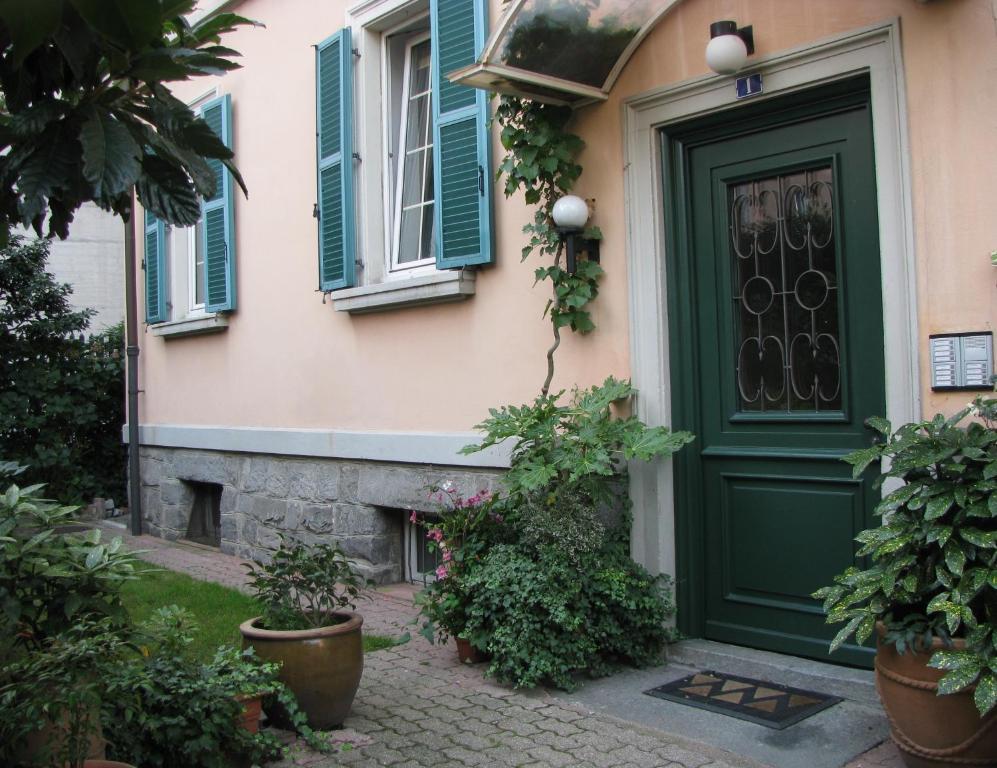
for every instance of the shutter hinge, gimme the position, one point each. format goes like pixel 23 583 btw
pixel 356 156
pixel 355 52
pixel 481 181
pixel 315 213
pixel 359 263
pixel 143 264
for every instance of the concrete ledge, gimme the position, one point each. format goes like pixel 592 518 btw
pixel 439 287
pixel 190 326
pixel 407 447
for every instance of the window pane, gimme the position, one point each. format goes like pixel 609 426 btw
pixel 418 120
pixel 198 276
pixel 412 186
pixel 408 243
pixel 784 258
pixel 420 69
pixel 428 241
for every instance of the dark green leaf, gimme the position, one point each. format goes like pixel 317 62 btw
pixel 111 158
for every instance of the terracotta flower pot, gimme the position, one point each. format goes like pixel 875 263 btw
pixel 931 731
pixel 321 667
pixel 252 709
pixel 467 653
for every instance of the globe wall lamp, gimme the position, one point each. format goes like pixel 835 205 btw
pixel 729 47
pixel 570 214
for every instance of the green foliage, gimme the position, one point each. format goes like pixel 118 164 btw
pixel 536 578
pixel 167 709
pixel 934 558
pixel 86 115
pixel 545 618
pixel 56 690
pixel 582 443
pixel 304 586
pixel 50 581
pixel 61 397
pixel 540 161
pixel 562 519
pixel 463 531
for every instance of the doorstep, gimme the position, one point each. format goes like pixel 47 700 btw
pixel 829 739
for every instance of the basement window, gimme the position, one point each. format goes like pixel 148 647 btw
pixel 420 561
pixel 205 523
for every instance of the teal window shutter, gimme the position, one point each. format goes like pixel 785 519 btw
pixel 218 217
pixel 333 114
pixel 461 146
pixel 155 269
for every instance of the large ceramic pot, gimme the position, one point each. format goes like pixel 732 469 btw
pixel 106 764
pixel 321 667
pixel 931 731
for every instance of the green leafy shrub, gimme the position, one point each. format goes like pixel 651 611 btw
pixel 582 443
pixel 61 396
pixel 168 710
pixel 536 577
pixel 547 618
pixel 304 586
pixel 50 698
pixel 934 558
pixel 463 531
pixel 49 581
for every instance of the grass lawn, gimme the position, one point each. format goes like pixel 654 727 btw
pixel 219 610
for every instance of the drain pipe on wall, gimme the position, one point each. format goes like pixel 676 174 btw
pixel 132 351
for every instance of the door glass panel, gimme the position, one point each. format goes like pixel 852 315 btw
pixel 782 246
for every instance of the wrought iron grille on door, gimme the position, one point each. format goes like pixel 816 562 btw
pixel 785 274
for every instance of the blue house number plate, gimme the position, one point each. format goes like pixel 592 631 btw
pixel 749 85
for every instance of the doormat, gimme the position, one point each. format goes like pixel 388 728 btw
pixel 768 704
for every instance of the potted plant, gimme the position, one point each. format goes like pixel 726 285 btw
pixel 930 591
pixel 62 620
pixel 168 707
pixel 461 532
pixel 306 626
pixel 51 698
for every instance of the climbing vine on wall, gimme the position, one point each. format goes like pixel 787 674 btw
pixel 540 160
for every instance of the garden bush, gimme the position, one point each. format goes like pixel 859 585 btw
pixel 61 395
pixel 540 577
pixel 166 709
pixel 547 617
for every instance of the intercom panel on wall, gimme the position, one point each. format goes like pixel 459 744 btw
pixel 962 360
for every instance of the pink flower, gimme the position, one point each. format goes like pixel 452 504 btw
pixel 447 555
pixel 413 518
pixel 435 534
pixel 441 571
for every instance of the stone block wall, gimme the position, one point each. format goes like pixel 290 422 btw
pixel 360 504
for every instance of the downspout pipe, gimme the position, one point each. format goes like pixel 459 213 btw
pixel 132 352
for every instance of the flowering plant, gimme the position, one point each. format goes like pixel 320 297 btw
pixel 461 531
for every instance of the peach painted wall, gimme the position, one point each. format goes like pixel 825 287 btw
pixel 287 360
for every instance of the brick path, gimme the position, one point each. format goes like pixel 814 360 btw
pixel 417 706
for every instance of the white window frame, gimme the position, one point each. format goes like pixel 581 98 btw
pixel 399 177
pixel 379 288
pixel 185 317
pixel 193 306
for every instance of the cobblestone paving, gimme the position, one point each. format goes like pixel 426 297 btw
pixel 417 706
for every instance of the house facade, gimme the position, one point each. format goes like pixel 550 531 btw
pixel 781 256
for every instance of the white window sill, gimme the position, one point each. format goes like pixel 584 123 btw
pixel 190 326
pixel 435 288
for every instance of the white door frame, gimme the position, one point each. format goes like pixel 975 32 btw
pixel 872 50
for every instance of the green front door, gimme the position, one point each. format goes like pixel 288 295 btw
pixel 776 328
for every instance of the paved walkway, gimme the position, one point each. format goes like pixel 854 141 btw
pixel 417 706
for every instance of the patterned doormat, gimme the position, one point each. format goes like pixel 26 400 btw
pixel 768 704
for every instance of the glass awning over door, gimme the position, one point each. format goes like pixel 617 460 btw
pixel 563 51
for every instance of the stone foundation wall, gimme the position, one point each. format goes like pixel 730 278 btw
pixel 360 504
